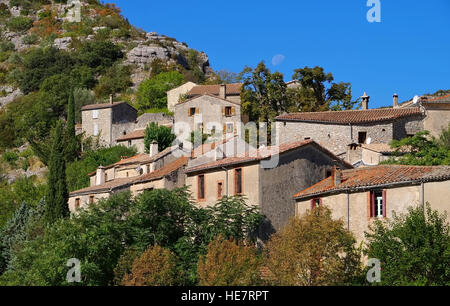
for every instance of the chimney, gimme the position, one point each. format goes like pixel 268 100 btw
pixel 218 154
pixel 100 177
pixel 111 99
pixel 365 101
pixel 223 91
pixel 395 101
pixel 337 176
pixel 153 149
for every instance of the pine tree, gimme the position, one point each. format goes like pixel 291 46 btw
pixel 58 195
pixel 72 146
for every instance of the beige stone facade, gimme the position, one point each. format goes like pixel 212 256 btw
pixel 174 95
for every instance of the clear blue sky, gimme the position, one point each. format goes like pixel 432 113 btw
pixel 408 52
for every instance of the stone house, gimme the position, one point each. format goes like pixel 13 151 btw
pixel 209 114
pixel 266 177
pixel 174 95
pixel 113 121
pixel 437 112
pixel 337 129
pixel 156 167
pixel 134 139
pixel 230 92
pixel 360 196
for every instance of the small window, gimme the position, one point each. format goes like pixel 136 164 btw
pixel 230 128
pixel 201 187
pixel 106 177
pixel 91 199
pixel 77 204
pixel 238 181
pixel 95 129
pixel 362 137
pixel 328 172
pixel 219 190
pixel 95 114
pixel 307 138
pixel 192 111
pixel 378 204
pixel 148 168
pixel 129 143
pixel 228 111
pixel 316 203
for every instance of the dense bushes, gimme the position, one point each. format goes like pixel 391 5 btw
pixel 161 134
pixel 20 24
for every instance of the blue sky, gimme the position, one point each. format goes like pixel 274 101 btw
pixel 407 53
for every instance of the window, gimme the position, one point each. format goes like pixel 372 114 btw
pixel 201 187
pixel 106 177
pixel 192 111
pixel 328 173
pixel 148 168
pixel 228 111
pixel 362 137
pixel 316 203
pixel 91 199
pixel 230 128
pixel 378 204
pixel 95 114
pixel 77 204
pixel 238 181
pixel 95 129
pixel 129 143
pixel 219 190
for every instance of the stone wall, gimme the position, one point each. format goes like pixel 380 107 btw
pixel 103 122
pixel 173 95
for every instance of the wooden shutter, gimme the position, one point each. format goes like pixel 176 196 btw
pixel 224 128
pixel 372 204
pixel 223 111
pixel 384 204
pixel 189 112
pixel 196 110
pixel 233 111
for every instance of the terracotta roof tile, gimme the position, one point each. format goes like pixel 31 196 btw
pixel 138 134
pixel 354 116
pixel 231 89
pixel 377 176
pixel 260 154
pixel 107 187
pixel 103 105
pixel 160 173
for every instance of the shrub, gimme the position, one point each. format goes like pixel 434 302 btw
pixel 155 267
pixel 229 263
pixel 314 250
pixel 161 134
pixel 10 157
pixel 413 248
pixel 30 39
pixel 20 24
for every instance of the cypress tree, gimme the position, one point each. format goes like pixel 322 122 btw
pixel 58 194
pixel 71 146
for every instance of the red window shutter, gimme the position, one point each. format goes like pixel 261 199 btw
pixel 384 204
pixel 372 204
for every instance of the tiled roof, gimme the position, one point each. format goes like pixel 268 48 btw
pixel 260 154
pixel 353 116
pixel 125 182
pixel 231 89
pixel 378 147
pixel 105 188
pixel 160 173
pixel 207 95
pixel 361 178
pixel 432 99
pixel 138 134
pixel 103 105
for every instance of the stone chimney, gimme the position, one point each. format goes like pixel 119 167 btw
pixel 395 101
pixel 337 176
pixel 100 176
pixel 218 154
pixel 365 101
pixel 111 99
pixel 153 149
pixel 223 91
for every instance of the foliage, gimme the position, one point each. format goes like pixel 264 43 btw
pixel 116 79
pixel 321 92
pixel 10 157
pixel 152 93
pixel 125 265
pixel 20 24
pixel 229 263
pixel 413 248
pixel 222 77
pixel 155 267
pixel 57 187
pixel 99 55
pixel 78 171
pixel 161 134
pixel 72 142
pixel 420 150
pixel 313 250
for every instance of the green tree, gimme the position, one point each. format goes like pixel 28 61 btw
pixel 321 92
pixel 419 150
pixel 313 250
pixel 116 80
pixel 413 248
pixel 264 94
pixel 57 187
pixel 152 93
pixel 161 134
pixel 72 144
